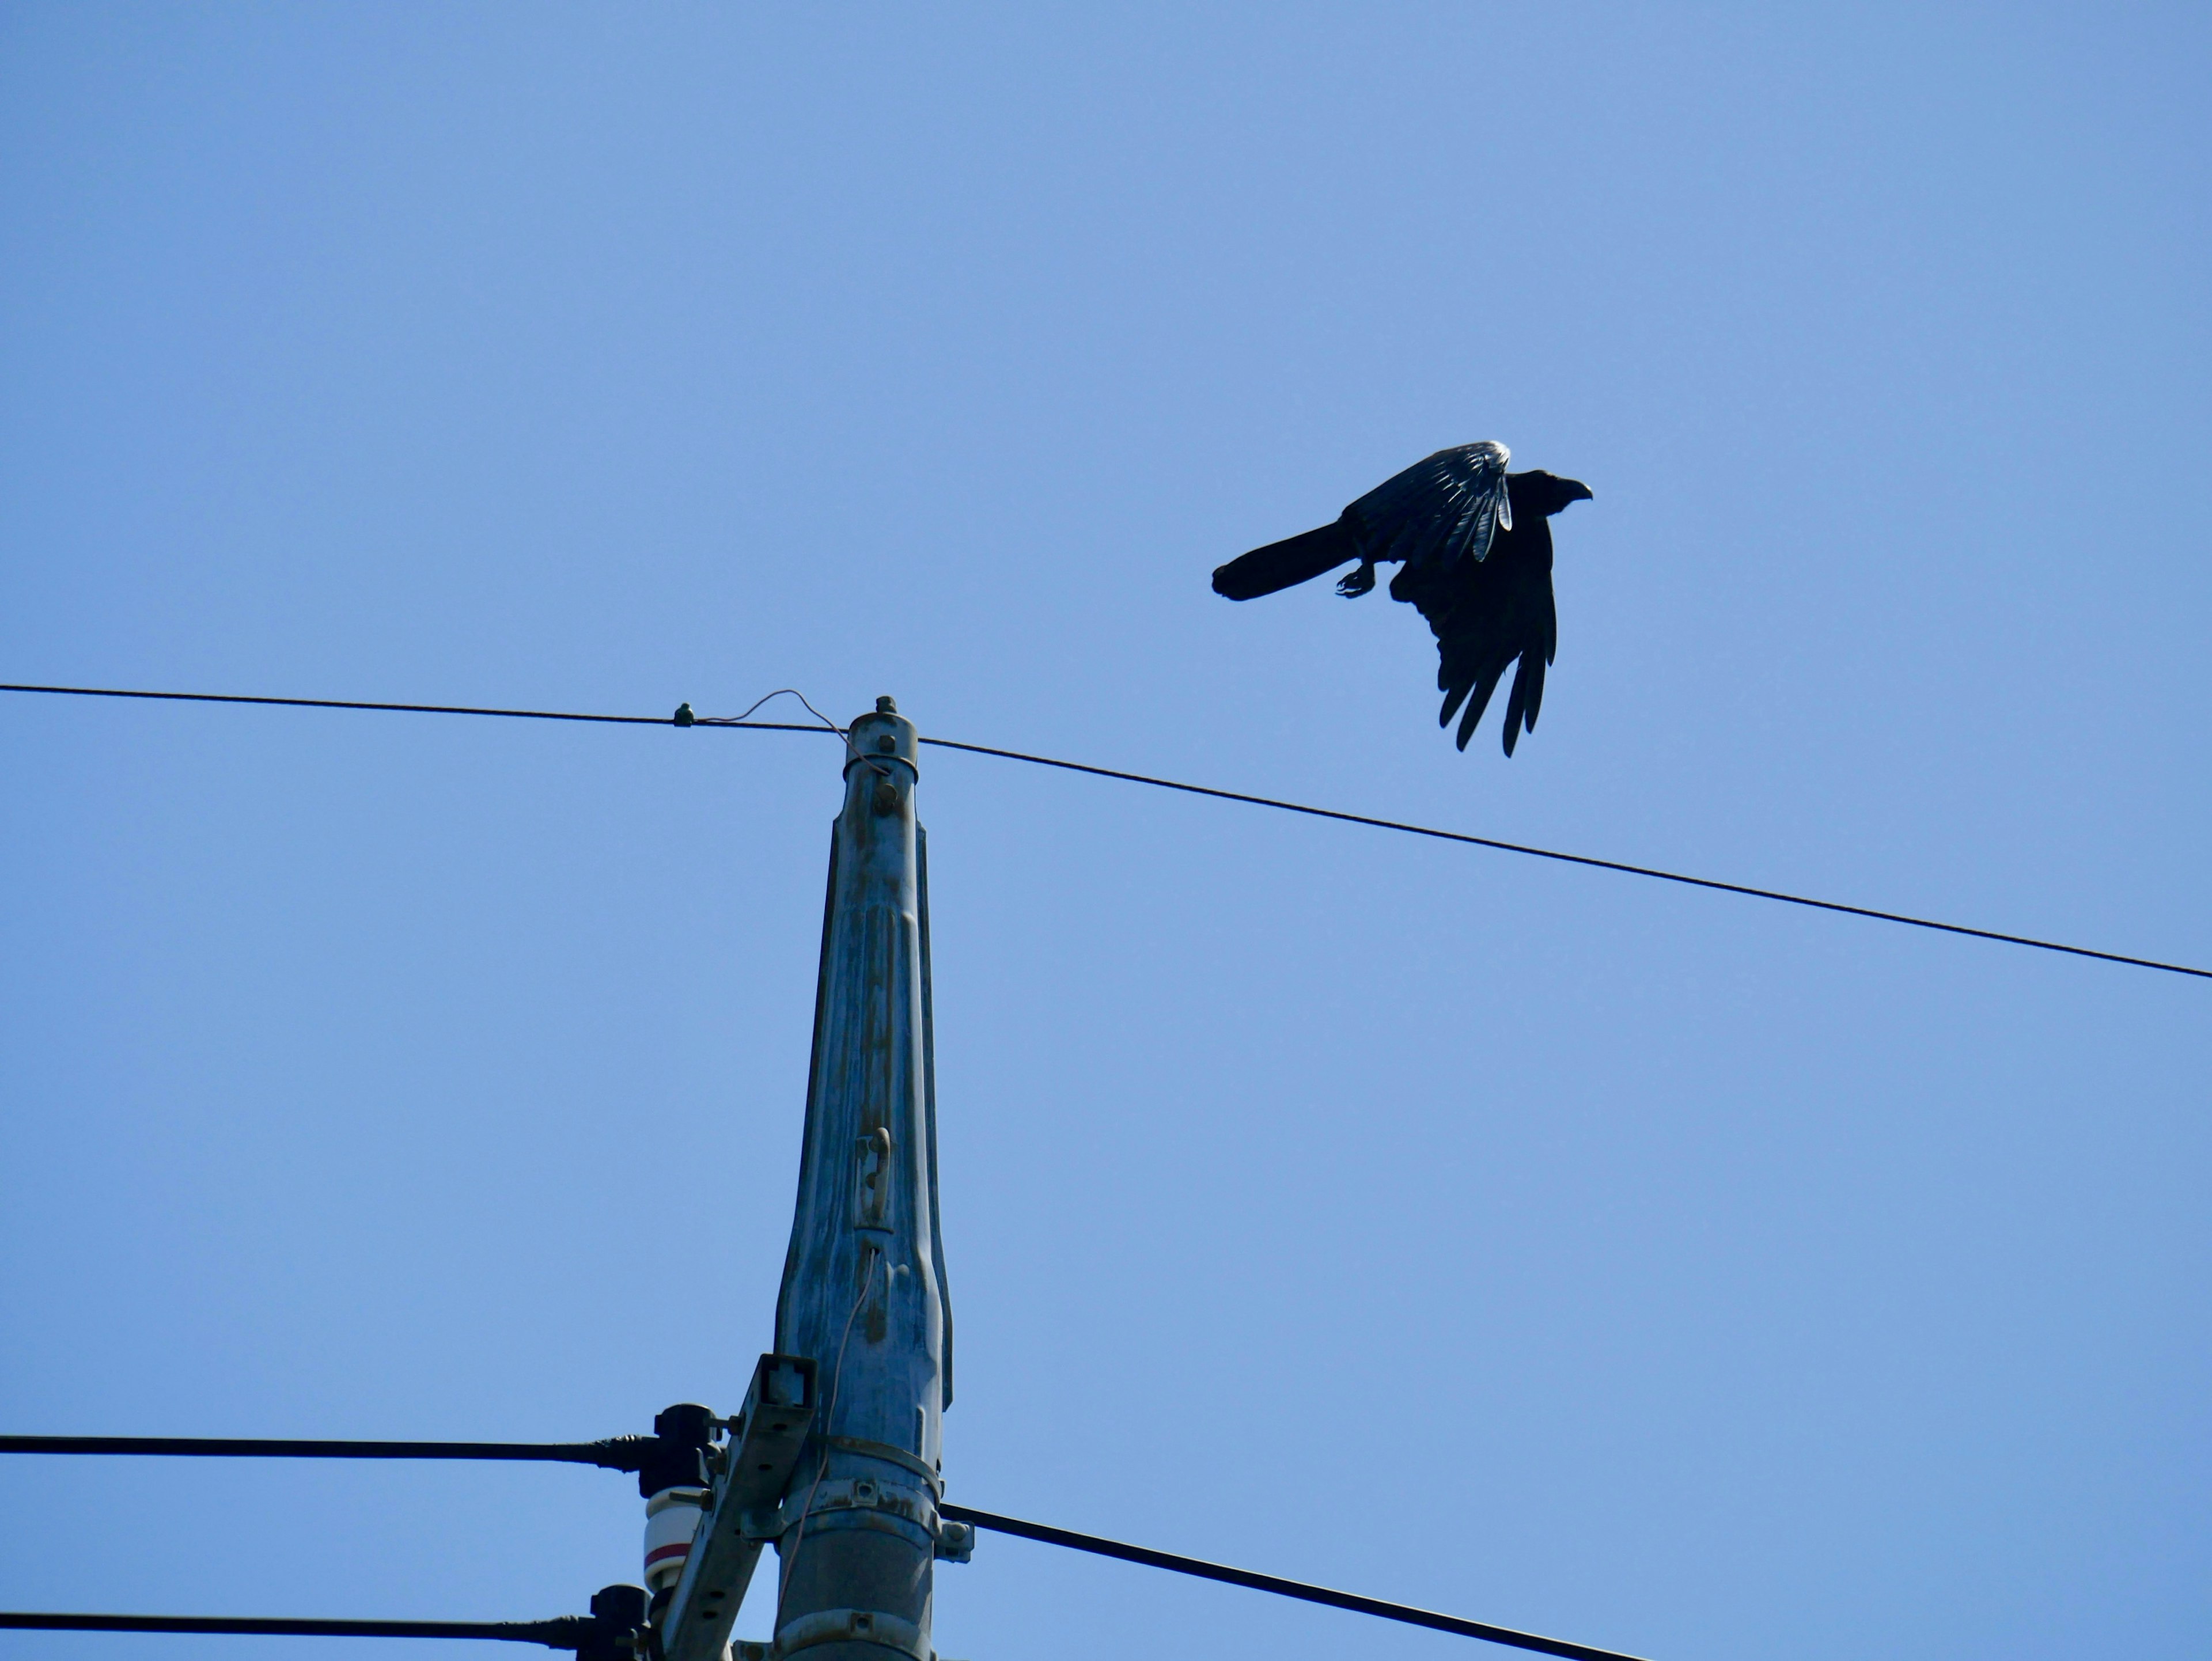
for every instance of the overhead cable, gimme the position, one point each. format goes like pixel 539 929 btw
pixel 1276 1583
pixel 1580 859
pixel 684 718
pixel 570 1632
pixel 626 1453
pixel 614 1453
pixel 403 709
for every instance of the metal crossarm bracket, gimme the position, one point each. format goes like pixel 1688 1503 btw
pixel 763 1448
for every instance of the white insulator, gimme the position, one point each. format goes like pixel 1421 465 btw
pixel 672 1518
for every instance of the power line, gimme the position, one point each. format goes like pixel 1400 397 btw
pixel 629 1453
pixel 684 717
pixel 1582 859
pixel 566 1633
pixel 1276 1583
pixel 614 1453
pixel 406 709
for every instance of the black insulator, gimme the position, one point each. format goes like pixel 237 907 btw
pixel 678 1457
pixel 617 1616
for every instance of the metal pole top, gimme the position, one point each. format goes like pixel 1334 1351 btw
pixel 884 735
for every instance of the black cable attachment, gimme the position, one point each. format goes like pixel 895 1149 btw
pixel 676 1450
pixel 1311 1594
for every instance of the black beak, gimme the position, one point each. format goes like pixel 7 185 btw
pixel 1579 492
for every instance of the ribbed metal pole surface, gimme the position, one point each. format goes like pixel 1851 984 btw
pixel 865 1273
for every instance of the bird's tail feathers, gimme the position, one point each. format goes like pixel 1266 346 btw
pixel 1283 565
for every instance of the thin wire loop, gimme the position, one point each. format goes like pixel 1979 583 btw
pixel 780 692
pixel 851 750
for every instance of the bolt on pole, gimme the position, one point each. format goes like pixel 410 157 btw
pixel 864 1289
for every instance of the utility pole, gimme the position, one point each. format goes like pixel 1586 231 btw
pixel 864 1291
pixel 836 1456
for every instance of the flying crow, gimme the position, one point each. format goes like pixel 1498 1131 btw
pixel 1475 543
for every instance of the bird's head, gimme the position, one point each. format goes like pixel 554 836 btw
pixel 1547 493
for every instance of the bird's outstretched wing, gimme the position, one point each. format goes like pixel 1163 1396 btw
pixel 1439 513
pixel 1485 617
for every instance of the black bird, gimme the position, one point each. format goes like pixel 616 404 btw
pixel 1476 546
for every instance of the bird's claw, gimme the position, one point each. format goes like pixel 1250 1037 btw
pixel 1356 582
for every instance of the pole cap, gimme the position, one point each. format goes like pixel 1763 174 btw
pixel 883 735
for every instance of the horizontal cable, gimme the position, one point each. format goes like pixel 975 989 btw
pixel 569 1632
pixel 614 1454
pixel 403 709
pixel 685 719
pixel 1276 1583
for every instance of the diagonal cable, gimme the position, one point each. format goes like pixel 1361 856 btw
pixel 1282 1588
pixel 1576 859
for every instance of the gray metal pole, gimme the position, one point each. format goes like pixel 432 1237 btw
pixel 863 1283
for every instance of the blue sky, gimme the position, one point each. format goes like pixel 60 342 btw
pixel 1660 1270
